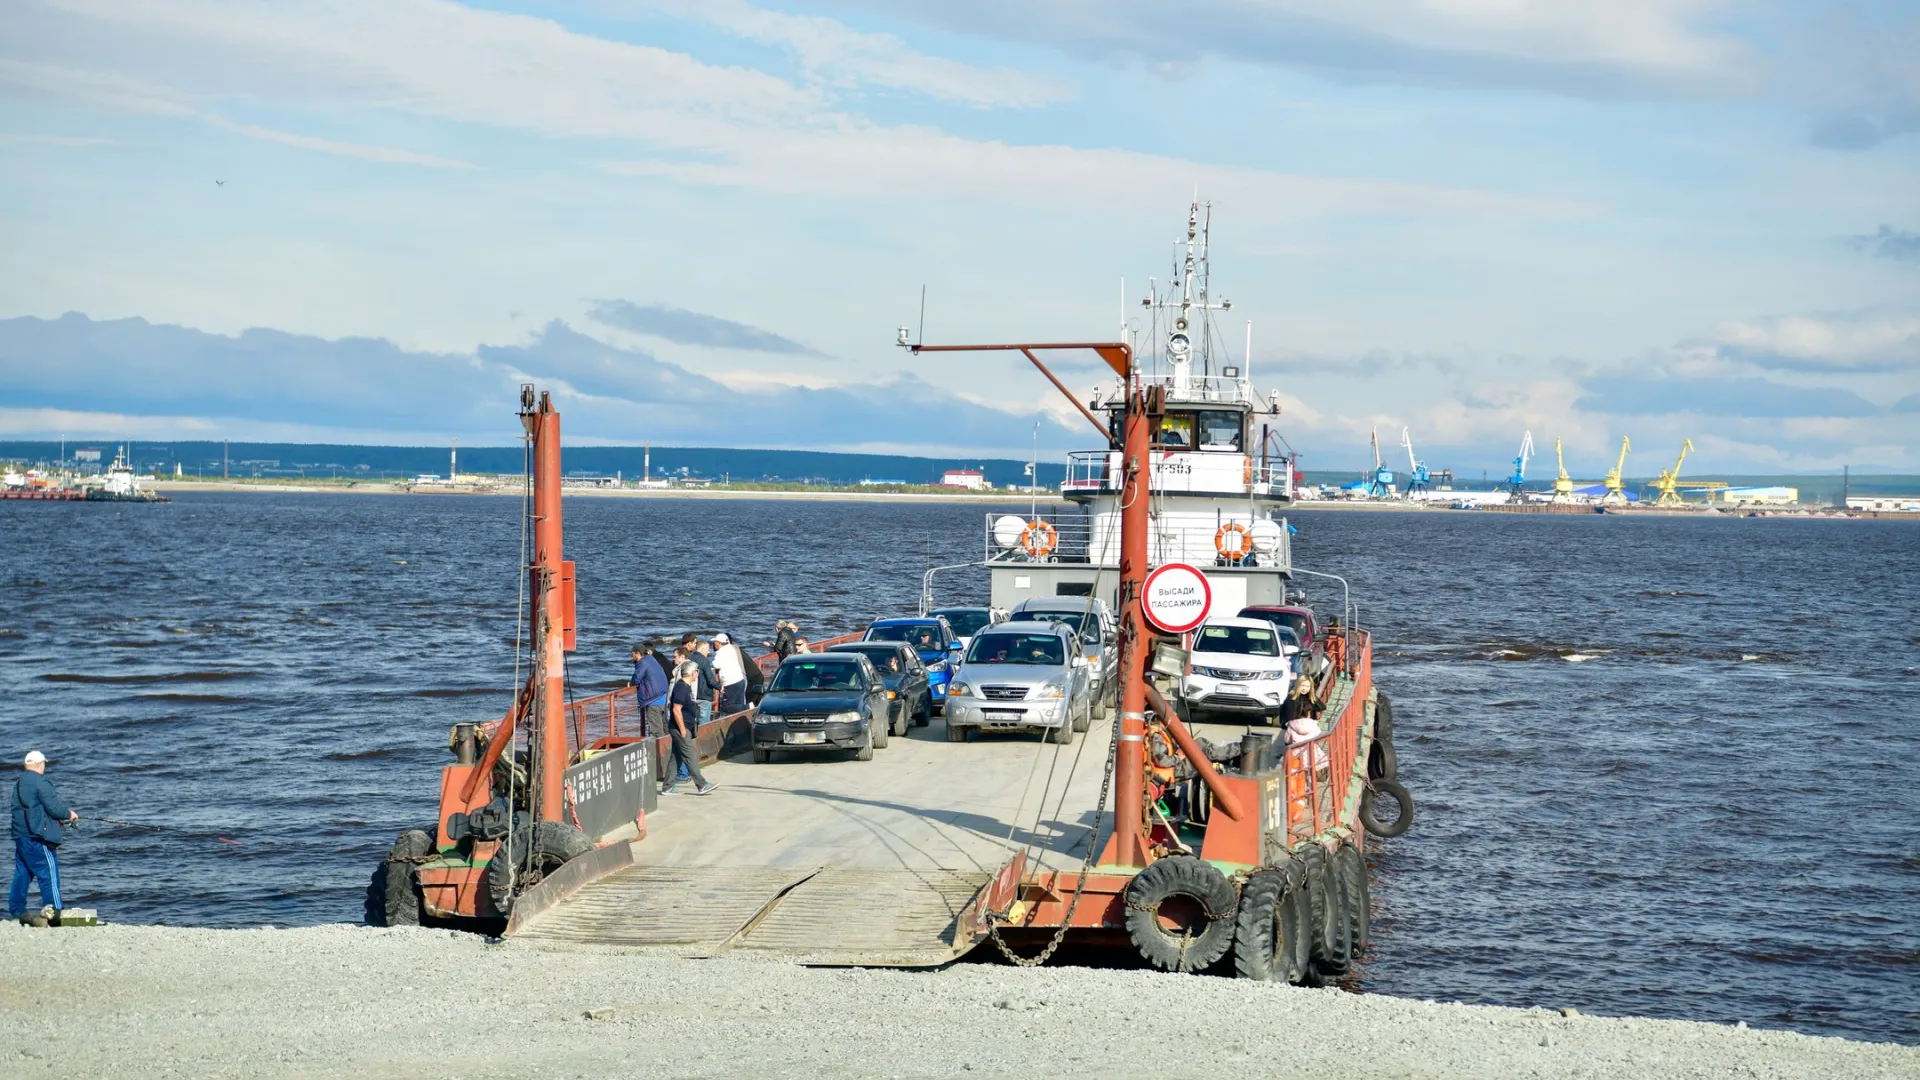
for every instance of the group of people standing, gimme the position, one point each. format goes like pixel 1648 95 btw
pixel 703 676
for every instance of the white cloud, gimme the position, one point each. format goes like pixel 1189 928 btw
pixel 709 124
pixel 836 55
pixel 1875 339
pixel 342 149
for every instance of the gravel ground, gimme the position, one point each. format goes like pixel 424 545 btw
pixel 367 1003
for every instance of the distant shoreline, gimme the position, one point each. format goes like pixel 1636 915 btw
pixel 376 488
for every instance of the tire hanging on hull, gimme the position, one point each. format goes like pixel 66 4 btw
pixel 1180 913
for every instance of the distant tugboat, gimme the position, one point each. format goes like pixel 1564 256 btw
pixel 120 485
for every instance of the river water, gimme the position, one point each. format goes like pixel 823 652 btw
pixel 1666 766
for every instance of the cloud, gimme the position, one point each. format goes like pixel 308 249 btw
pixel 342 149
pixel 836 55
pixel 1908 404
pixel 1888 242
pixel 1720 397
pixel 692 328
pixel 676 117
pixel 154 380
pixel 1853 131
pixel 1866 340
pixel 1629 48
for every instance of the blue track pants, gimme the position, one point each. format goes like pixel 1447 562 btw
pixel 32 860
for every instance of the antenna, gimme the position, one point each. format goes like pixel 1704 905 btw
pixel 922 338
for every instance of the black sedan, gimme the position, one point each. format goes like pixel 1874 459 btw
pixel 906 677
pixel 823 701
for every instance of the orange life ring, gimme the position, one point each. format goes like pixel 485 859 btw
pixel 1038 539
pixel 1242 547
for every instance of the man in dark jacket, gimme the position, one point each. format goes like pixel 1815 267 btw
pixel 650 686
pixel 38 814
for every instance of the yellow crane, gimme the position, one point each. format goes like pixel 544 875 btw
pixel 1562 484
pixel 1670 478
pixel 1616 492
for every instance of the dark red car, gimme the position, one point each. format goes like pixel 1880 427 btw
pixel 1297 621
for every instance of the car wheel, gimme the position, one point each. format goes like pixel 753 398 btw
pixel 761 755
pixel 902 720
pixel 923 713
pixel 1086 718
pixel 1061 735
pixel 877 732
pixel 956 733
pixel 865 753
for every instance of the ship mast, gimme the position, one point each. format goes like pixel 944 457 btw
pixel 550 584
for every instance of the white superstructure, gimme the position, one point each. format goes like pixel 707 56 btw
pixel 1220 471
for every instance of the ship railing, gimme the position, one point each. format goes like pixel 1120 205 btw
pixel 1209 388
pixel 1324 774
pixel 1097 472
pixel 1076 539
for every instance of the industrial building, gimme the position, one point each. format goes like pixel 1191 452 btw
pixel 1890 503
pixel 1755 496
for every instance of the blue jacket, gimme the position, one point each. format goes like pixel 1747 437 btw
pixel 37 811
pixel 650 681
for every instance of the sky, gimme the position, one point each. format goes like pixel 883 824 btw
pixel 700 221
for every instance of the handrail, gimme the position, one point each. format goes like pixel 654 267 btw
pixel 1320 772
pixel 926 584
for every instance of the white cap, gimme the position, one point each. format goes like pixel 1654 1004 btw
pixel 721 639
pixel 35 757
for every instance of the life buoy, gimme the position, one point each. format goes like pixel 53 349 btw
pixel 1233 540
pixel 1038 539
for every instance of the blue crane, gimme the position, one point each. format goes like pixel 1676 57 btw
pixel 1421 480
pixel 1517 483
pixel 1381 485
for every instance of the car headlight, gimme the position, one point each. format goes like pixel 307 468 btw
pixel 959 689
pixel 767 718
pixel 1052 690
pixel 1211 673
pixel 844 718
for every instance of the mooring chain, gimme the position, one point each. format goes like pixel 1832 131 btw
pixel 1079 889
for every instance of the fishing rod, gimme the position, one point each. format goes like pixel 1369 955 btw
pixel 163 828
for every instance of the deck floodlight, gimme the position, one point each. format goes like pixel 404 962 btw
pixel 1230 371
pixel 1169 659
pixel 901 338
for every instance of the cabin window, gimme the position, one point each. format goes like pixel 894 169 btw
pixel 1221 430
pixel 1176 431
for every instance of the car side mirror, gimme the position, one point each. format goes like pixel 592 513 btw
pixel 955 647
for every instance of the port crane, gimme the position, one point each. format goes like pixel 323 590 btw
pixel 1562 484
pixel 1421 480
pixel 1617 494
pixel 1669 479
pixel 1517 483
pixel 1381 484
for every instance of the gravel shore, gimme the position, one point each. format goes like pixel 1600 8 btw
pixel 367 1003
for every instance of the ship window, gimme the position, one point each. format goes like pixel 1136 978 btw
pixel 1176 430
pixel 1220 430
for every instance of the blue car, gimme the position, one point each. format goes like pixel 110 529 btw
pixel 933 638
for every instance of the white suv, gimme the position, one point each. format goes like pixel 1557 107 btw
pixel 1239 667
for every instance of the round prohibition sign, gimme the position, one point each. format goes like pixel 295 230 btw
pixel 1176 598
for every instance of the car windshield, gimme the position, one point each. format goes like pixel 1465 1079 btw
pixel 1293 621
pixel 966 623
pixel 1244 640
pixel 886 658
pixel 922 637
pixel 1084 623
pixel 819 675
pixel 1042 649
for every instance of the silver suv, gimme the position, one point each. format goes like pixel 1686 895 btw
pixel 1022 676
pixel 1090 618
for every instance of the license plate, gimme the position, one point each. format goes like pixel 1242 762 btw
pixel 803 737
pixel 1004 714
pixel 1232 688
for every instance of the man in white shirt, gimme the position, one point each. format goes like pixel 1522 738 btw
pixel 730 669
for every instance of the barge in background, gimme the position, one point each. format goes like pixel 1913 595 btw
pixel 1246 851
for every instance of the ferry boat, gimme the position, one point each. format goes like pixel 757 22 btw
pixel 119 484
pixel 1188 847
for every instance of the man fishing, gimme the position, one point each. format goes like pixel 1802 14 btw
pixel 38 814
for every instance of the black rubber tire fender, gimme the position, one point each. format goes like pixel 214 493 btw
pixel 538 847
pixel 1394 790
pixel 1297 908
pixel 1333 932
pixel 1352 867
pixel 1382 718
pixel 1207 900
pixel 393 896
pixel 1266 932
pixel 1312 860
pixel 1382 764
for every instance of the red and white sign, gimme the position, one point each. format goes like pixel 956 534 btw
pixel 1176 598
